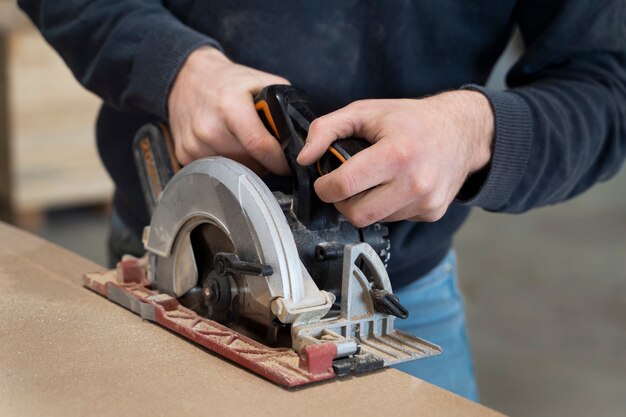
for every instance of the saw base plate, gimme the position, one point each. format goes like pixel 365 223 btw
pixel 128 287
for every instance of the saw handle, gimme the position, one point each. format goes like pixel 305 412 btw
pixel 292 103
pixel 339 152
pixel 287 113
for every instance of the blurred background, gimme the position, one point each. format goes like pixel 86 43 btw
pixel 545 291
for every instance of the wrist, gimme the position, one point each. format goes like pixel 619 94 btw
pixel 484 131
pixel 472 118
pixel 197 68
pixel 477 125
pixel 205 60
pixel 208 52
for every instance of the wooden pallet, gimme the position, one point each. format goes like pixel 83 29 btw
pixel 48 155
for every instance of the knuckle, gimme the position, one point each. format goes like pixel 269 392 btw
pixel 182 156
pixel 318 125
pixel 419 186
pixel 361 218
pixel 228 104
pixel 356 215
pixel 254 142
pixel 347 185
pixel 280 80
pixel 398 156
pixel 191 149
pixel 431 204
pixel 434 215
pixel 432 198
pixel 205 129
pixel 357 105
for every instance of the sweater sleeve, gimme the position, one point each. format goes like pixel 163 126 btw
pixel 128 52
pixel 561 126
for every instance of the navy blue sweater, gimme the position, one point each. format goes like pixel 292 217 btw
pixel 559 128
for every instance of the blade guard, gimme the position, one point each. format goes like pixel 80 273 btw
pixel 231 197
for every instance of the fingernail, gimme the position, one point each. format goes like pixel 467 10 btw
pixel 302 151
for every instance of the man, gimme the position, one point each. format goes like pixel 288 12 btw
pixel 558 130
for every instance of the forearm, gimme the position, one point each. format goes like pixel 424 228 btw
pixel 554 139
pixel 127 52
pixel 562 126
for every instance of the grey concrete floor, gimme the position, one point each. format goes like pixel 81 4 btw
pixel 545 293
pixel 546 304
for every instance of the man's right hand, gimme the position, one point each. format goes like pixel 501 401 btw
pixel 211 112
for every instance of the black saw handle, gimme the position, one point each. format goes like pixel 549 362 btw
pixel 287 113
pixel 277 104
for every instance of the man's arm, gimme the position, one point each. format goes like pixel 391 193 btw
pixel 127 52
pixel 560 129
pixel 137 56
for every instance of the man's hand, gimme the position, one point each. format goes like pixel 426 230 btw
pixel 422 153
pixel 211 112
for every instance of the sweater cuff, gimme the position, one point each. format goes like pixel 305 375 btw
pixel 161 54
pixel 511 149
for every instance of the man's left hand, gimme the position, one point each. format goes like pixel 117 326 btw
pixel 422 153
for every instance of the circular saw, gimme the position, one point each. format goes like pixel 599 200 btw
pixel 279 283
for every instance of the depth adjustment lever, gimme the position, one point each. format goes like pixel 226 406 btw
pixel 228 263
pixel 388 303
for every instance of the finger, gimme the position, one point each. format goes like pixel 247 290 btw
pixel 202 150
pixel 412 210
pixel 191 149
pixel 226 143
pixel 198 149
pixel 223 142
pixel 234 150
pixel 343 123
pixel 250 163
pixel 361 172
pixel 416 213
pixel 270 79
pixel 182 157
pixel 243 121
pixel 180 153
pixel 371 206
pixel 324 131
pixel 430 207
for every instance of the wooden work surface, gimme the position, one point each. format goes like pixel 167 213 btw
pixel 66 351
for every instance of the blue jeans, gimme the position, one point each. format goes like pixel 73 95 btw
pixel 436 313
